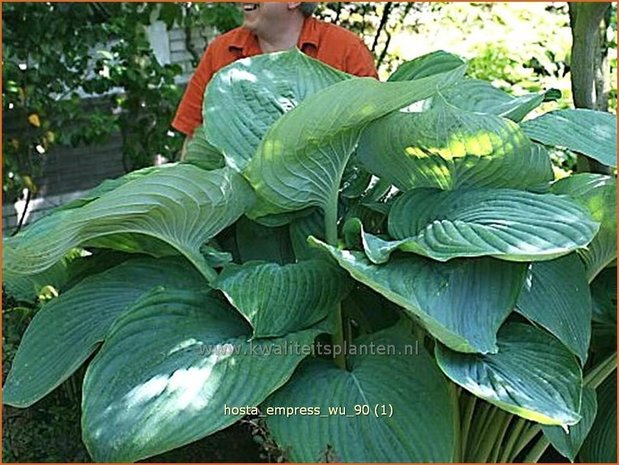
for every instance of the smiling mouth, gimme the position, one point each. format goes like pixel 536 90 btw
pixel 250 6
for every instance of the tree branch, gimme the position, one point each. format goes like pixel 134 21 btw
pixel 383 22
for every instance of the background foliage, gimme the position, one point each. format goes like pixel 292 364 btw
pixel 56 53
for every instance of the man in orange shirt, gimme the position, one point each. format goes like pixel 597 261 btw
pixel 272 27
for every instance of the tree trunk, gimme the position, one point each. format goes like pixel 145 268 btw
pixel 589 67
pixel 585 21
pixel 601 65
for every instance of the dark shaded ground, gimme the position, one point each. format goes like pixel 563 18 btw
pixel 50 432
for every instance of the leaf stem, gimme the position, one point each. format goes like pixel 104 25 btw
pixel 517 428
pixel 489 434
pixel 527 436
pixel 458 451
pixel 600 372
pixel 331 223
pixel 337 340
pixel 498 444
pixel 467 416
pixel 473 436
pixel 209 273
pixel 537 450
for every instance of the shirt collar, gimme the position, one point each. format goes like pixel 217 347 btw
pixel 309 33
pixel 246 40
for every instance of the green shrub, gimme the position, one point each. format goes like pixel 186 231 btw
pixel 399 251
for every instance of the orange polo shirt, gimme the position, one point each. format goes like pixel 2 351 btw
pixel 326 42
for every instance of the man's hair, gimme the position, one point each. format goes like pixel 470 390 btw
pixel 308 8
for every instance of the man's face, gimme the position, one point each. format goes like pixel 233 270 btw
pixel 260 17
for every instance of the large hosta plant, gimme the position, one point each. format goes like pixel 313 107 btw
pixel 393 263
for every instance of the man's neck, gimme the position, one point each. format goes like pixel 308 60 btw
pixel 283 38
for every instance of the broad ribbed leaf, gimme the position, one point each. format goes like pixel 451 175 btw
pixel 133 243
pixel 26 288
pixel 601 443
pixel 300 161
pixel 277 300
pixel 257 242
pixel 202 153
pixel 301 229
pixel 482 97
pixel 418 420
pixel 183 206
pixel 533 375
pixel 591 132
pixel 449 148
pixel 168 369
pixel 462 303
pixel 556 296
pixel 503 223
pixel 245 98
pixel 568 444
pixel 68 329
pixel 260 213
pixel 598 194
pixel 110 184
pixel 426 65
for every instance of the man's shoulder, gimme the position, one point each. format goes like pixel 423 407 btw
pixel 234 37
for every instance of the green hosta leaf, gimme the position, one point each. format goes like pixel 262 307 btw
pixel 301 229
pixel 167 370
pixel 462 303
pixel 598 194
pixel 258 242
pixel 369 310
pixel 376 249
pixel 604 294
pixel 277 300
pixel 134 244
pixel 300 161
pixel 374 216
pixel 568 444
pixel 214 257
pixel 533 375
pixel 503 223
pixel 556 296
pixel 111 184
pixel 601 443
pixel 183 206
pixel 355 181
pixel 94 262
pixel 591 132
pixel 26 288
pixel 202 153
pixel 482 97
pixel 426 65
pixel 245 98
pixel 68 329
pixel 260 214
pixel 449 148
pixel 406 383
